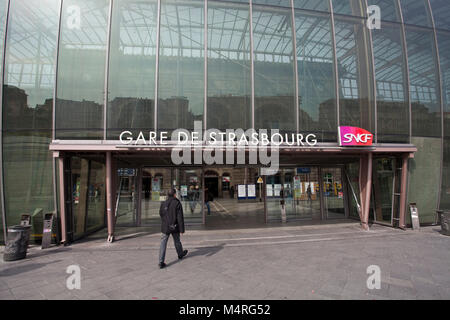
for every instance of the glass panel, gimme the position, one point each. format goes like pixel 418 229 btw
pixel 424 177
pixel 27 110
pixel 352 171
pixel 181 65
pixel 333 193
pixel 306 194
pixel 229 207
pixel 96 196
pixel 426 113
pixel 127 193
pixel 273 189
pixel 300 192
pixel 274 70
pixel 389 9
pixel 349 7
pixel 416 12
pixel 383 184
pixel 281 3
pixel 156 182
pixel 132 67
pixel 3 9
pixel 444 54
pixel 441 13
pixel 229 67
pixel 315 62
pixel 355 74
pixel 79 184
pixel 316 5
pixel 80 96
pixel 392 95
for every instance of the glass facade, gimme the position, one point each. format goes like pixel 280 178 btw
pixel 28 88
pixel 141 65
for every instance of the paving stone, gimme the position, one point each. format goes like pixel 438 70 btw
pixel 413 266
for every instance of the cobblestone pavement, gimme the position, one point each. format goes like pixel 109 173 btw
pixel 284 262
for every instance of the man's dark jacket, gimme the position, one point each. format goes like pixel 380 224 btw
pixel 174 216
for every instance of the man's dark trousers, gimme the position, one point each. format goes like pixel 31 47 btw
pixel 176 241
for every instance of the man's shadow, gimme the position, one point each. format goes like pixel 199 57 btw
pixel 205 251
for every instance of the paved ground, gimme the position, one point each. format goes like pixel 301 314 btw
pixel 290 262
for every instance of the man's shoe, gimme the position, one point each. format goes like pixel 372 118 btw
pixel 162 265
pixel 184 253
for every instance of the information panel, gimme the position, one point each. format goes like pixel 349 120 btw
pixel 242 191
pixel 251 191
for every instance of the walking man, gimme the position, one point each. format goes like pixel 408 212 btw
pixel 172 223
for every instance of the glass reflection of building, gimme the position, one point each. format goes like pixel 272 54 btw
pixel 89 69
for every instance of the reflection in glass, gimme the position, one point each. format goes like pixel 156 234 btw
pixel 416 12
pixel 80 96
pixel 27 108
pixel 96 196
pixel 317 98
pixel 229 67
pixel 333 193
pixel 156 183
pixel 349 7
pixel 441 13
pixel 316 5
pixel 392 95
pixel 181 65
pixel 356 96
pixel 424 89
pixel 444 55
pixel 274 70
pixel 281 3
pixel 132 67
pixel 352 179
pixel 383 190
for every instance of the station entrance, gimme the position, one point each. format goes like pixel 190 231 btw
pixel 227 197
pixel 125 188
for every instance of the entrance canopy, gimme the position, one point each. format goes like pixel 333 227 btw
pixel 323 155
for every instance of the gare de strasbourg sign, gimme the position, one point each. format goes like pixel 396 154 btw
pixel 348 137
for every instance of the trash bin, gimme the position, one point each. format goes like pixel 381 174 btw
pixel 445 223
pixel 17 243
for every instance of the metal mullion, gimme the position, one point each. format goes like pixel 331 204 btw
pixel 105 97
pixel 252 64
pixel 205 66
pixel 406 61
pixel 336 76
pixel 374 84
pixel 294 52
pixel 2 186
pixel 441 99
pixel 158 30
pixel 54 160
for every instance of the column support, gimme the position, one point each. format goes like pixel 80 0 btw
pixel 109 198
pixel 62 201
pixel 368 192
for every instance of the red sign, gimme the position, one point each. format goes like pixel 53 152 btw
pixel 353 136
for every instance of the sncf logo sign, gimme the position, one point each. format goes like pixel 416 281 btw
pixel 353 136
